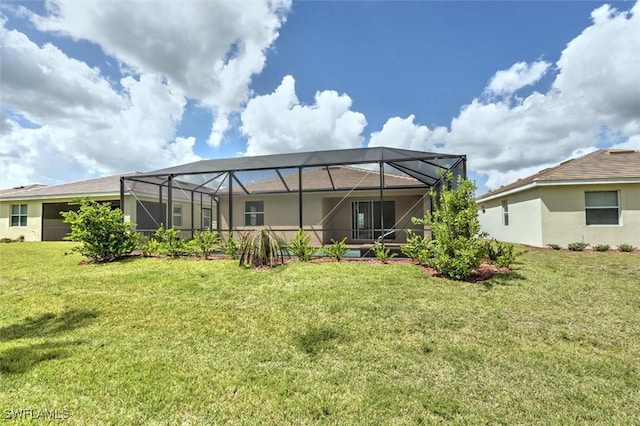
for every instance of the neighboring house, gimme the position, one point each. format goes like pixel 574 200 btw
pixel 362 194
pixel 593 199
pixel 34 211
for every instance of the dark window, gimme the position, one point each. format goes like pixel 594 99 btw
pixel 602 208
pixel 253 213
pixel 19 215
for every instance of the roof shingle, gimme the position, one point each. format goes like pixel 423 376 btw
pixel 602 164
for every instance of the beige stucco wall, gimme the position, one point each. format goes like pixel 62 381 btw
pixel 33 230
pixel 322 210
pixel 525 218
pixel 564 219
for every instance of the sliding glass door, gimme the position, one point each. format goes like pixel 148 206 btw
pixel 366 223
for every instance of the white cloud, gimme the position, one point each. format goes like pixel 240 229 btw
pixel 278 122
pixel 594 101
pixel 206 50
pixel 519 75
pixel 404 133
pixel 78 123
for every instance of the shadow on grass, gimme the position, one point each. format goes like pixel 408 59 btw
pixel 318 339
pixel 21 359
pixel 503 278
pixel 48 324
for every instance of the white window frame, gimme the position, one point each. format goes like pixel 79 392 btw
pixel 253 214
pixel 206 216
pixel 616 207
pixel 505 212
pixel 19 215
pixel 177 216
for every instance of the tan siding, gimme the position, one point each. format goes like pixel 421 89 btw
pixel 564 216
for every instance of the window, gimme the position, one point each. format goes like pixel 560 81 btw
pixel 253 213
pixel 602 208
pixel 505 213
pixel 19 215
pixel 206 218
pixel 177 216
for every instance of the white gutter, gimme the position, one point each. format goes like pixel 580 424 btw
pixel 535 184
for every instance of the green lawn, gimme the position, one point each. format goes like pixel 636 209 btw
pixel 188 341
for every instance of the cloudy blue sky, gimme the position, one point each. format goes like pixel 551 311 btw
pixel 99 87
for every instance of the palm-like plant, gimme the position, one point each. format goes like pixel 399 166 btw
pixel 261 248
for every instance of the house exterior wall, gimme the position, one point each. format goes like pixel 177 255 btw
pixel 564 218
pixel 325 215
pixel 556 215
pixel 525 219
pixel 33 230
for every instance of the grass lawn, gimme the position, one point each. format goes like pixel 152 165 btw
pixel 185 341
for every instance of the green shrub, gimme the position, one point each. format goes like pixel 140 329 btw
pixel 261 248
pixel 205 242
pixel 102 232
pixel 337 249
pixel 6 240
pixel 601 247
pixel 417 248
pixel 230 246
pixel 554 246
pixel 578 246
pixel 626 247
pixel 502 255
pixel 151 247
pixel 300 246
pixel 381 252
pixel 457 249
pixel 171 243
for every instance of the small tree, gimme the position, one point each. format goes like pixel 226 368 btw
pixel 101 230
pixel 455 228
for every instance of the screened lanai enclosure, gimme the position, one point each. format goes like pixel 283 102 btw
pixel 363 194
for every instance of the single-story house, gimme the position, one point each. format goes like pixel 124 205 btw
pixel 34 211
pixel 363 194
pixel 594 199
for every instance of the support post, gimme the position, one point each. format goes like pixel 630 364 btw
pixel 382 230
pixel 230 176
pixel 170 202
pixel 121 196
pixel 217 211
pixel 193 224
pixel 464 166
pixel 300 197
pixel 160 201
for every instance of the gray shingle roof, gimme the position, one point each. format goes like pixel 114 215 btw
pixel 330 178
pixel 105 185
pixel 599 165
